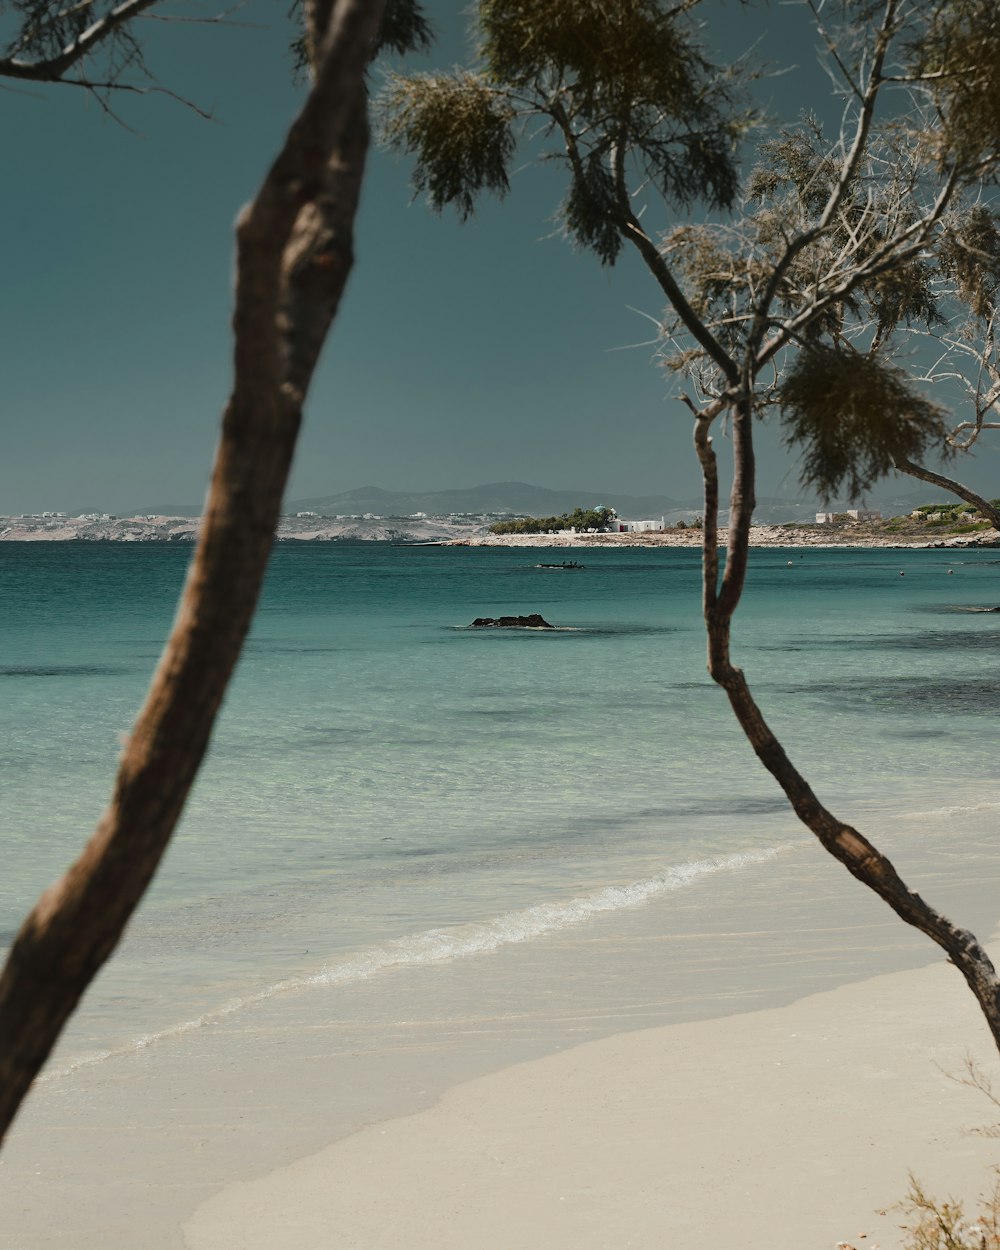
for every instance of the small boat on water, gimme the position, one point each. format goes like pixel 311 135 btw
pixel 566 564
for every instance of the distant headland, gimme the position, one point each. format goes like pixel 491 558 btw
pixel 517 514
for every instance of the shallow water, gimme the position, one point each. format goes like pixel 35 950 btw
pixel 418 853
pixel 389 789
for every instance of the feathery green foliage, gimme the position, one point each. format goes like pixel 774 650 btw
pixel 578 519
pixel 622 85
pixel 405 28
pixel 458 127
pixel 904 295
pixel 628 76
pixel 970 253
pixel 852 417
pixel 792 183
pixel 616 56
pixel 958 55
pixel 797 159
pixel 590 209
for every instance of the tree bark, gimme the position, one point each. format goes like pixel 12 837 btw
pixel 294 254
pixel 861 858
pixel 951 484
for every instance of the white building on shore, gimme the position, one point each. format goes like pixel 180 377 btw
pixel 640 527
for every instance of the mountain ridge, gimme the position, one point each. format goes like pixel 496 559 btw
pixel 516 498
pixel 522 498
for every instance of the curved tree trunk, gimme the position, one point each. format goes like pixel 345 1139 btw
pixel 988 510
pixel 294 253
pixel 861 858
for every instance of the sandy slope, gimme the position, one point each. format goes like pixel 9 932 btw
pixel 786 1129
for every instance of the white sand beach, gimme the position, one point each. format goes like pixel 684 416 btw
pixel 789 1128
pixel 759 1059
pixel 719 1071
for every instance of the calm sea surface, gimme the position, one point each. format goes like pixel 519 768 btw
pixel 389 788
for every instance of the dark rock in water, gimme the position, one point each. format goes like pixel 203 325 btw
pixel 534 621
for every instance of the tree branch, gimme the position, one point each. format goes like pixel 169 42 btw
pixel 892 253
pixel 848 172
pixel 861 858
pixel 52 69
pixel 710 520
pixel 953 485
pixel 742 501
pixel 660 270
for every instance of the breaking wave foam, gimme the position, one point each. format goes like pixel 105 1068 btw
pixel 436 946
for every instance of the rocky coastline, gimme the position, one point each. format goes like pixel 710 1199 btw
pixel 760 536
pixel 184 529
pixel 469 532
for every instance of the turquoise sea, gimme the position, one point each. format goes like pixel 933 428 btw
pixel 389 790
pixel 418 853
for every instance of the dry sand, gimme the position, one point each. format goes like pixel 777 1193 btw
pixel 786 1129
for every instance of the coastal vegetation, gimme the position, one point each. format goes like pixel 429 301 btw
pixel 793 294
pixel 942 1224
pixel 945 519
pixel 580 519
pixel 937 520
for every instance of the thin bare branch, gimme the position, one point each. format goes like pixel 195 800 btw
pixel 97 86
pixel 848 173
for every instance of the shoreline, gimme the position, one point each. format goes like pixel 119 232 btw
pixel 774 536
pixel 445 532
pixel 192 1144
pixel 121 1153
pixel 793 1127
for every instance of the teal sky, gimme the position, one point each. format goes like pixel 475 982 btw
pixel 462 354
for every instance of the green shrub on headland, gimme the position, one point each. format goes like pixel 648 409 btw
pixel 578 519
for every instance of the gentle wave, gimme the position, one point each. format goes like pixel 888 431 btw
pixel 957 810
pixel 435 946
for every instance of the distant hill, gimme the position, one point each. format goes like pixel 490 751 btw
pixel 518 498
pixel 166 509
pixel 521 499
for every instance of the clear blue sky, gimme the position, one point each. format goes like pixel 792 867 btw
pixel 463 354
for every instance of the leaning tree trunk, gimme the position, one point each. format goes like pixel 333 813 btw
pixel 953 486
pixel 721 597
pixel 294 253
